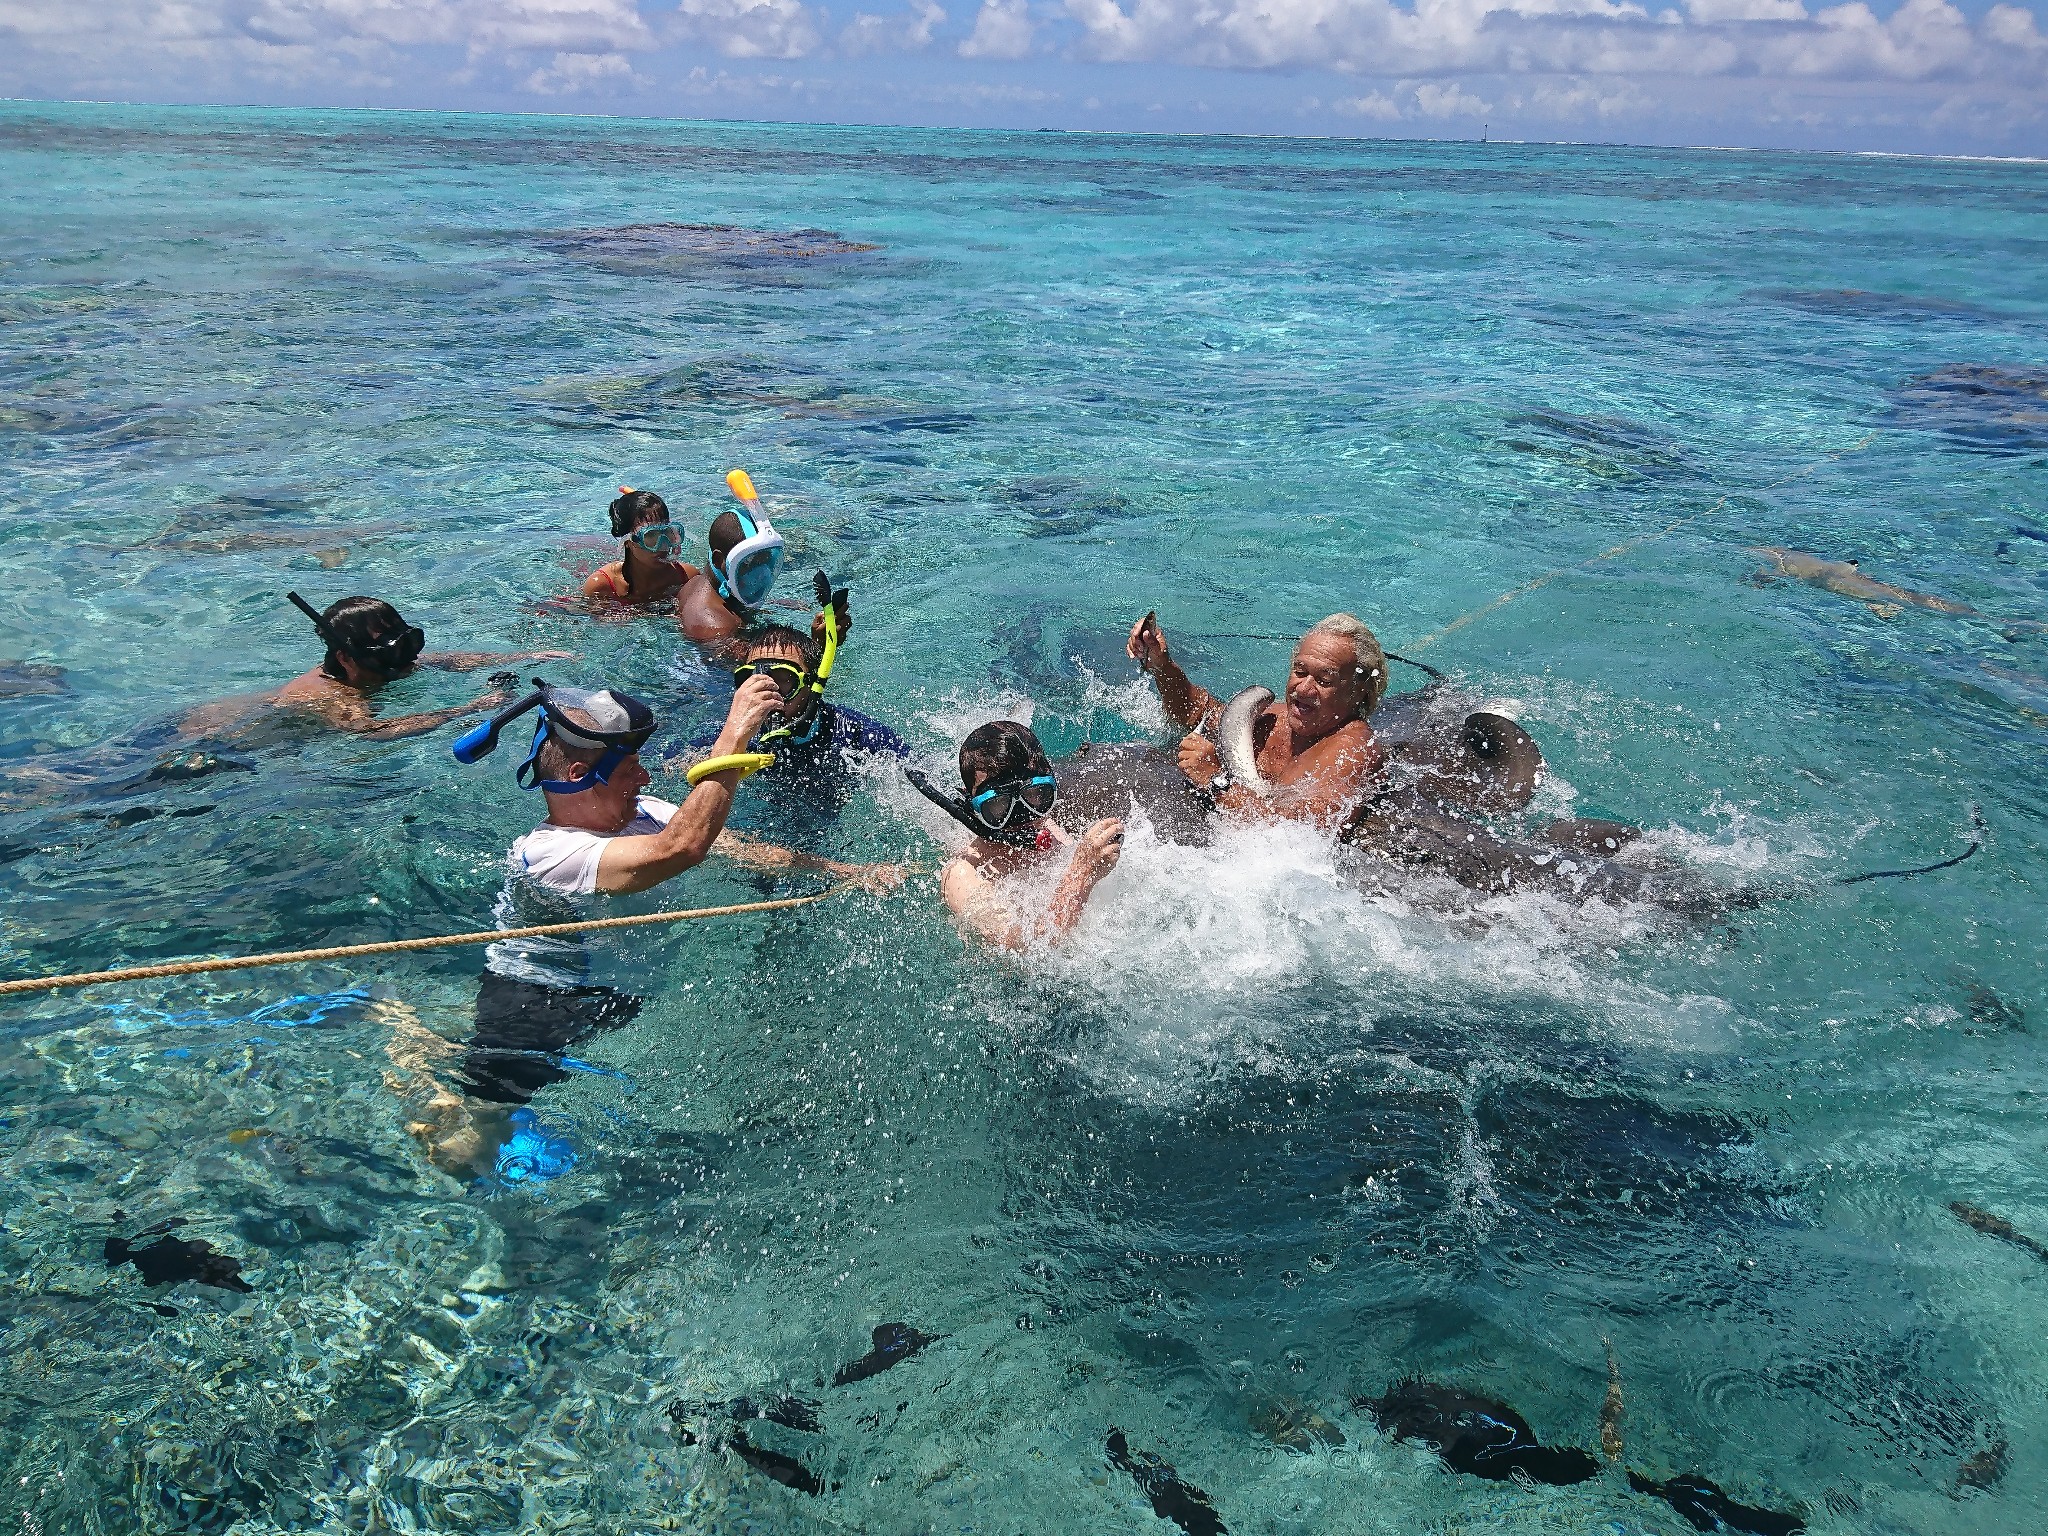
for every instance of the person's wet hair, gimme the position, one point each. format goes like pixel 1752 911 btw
pixel 726 533
pixel 559 762
pixel 1365 647
pixel 355 622
pixel 630 509
pixel 999 752
pixel 783 638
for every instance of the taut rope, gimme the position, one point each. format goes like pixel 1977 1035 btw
pixel 396 946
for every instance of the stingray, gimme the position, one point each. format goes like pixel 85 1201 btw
pixel 786 1470
pixel 893 1344
pixel 170 1260
pixel 1986 1469
pixel 1475 1434
pixel 1707 1508
pixel 1172 1497
pixel 656 246
pixel 21 679
pixel 1983 406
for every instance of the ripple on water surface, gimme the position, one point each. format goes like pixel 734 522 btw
pixel 850 1227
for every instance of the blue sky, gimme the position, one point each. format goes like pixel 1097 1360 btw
pixel 1923 76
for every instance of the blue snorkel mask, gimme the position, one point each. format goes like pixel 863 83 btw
pixel 748 572
pixel 618 726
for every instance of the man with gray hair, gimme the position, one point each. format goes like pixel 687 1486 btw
pixel 1315 754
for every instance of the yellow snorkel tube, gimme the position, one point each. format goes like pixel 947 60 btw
pixel 828 611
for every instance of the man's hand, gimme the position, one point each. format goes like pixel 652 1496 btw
pixel 1097 850
pixel 1147 645
pixel 1199 760
pixel 752 703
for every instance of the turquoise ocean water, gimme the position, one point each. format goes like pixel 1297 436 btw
pixel 1255 1146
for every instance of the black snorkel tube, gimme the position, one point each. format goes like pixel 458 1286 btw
pixel 956 806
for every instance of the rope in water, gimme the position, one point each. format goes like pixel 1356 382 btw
pixel 397 946
pixel 1628 544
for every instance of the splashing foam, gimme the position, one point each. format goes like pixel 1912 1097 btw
pixel 1259 953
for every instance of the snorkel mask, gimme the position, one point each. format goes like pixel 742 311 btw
pixel 620 725
pixel 992 811
pixel 390 655
pixel 664 541
pixel 830 606
pixel 749 569
pixel 979 818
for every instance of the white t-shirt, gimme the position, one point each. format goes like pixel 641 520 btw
pixel 552 878
pixel 564 859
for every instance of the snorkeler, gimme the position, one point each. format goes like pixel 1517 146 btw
pixel 601 836
pixel 812 739
pixel 650 566
pixel 1310 759
pixel 745 556
pixel 1007 804
pixel 368 644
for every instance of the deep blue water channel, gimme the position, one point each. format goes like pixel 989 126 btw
pixel 1255 1146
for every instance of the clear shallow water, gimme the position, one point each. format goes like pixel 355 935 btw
pixel 1255 1140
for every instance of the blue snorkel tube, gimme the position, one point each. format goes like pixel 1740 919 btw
pixel 473 745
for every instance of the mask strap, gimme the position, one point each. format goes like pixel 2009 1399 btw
pixel 600 771
pixel 958 808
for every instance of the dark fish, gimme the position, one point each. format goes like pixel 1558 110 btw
pixel 786 1470
pixel 19 679
pixel 790 1412
pixel 894 1343
pixel 1986 1007
pixel 1709 1509
pixel 2030 533
pixel 169 1260
pixel 1172 1499
pixel 1293 1425
pixel 1998 1227
pixel 180 766
pixel 1475 1434
pixel 163 1309
pixel 1986 1469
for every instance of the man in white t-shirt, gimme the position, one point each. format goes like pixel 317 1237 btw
pixel 602 834
pixel 601 837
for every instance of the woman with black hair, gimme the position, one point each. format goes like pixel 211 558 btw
pixel 650 566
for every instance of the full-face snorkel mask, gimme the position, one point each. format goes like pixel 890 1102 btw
pixel 620 725
pixel 390 655
pixel 830 605
pixel 748 571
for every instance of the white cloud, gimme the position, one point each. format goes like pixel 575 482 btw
pixel 1434 99
pixel 906 32
pixel 573 74
pixel 1379 107
pixel 1003 30
pixel 1709 12
pixel 1920 40
pixel 748 29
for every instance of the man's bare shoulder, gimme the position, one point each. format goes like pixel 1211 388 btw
pixel 702 614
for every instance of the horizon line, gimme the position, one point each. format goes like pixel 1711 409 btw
pixel 1141 133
